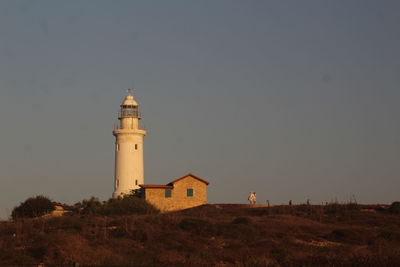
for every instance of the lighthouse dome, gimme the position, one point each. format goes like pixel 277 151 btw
pixel 129 101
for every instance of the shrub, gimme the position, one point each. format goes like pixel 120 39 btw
pixel 395 207
pixel 128 205
pixel 33 207
pixel 237 231
pixel 139 235
pixel 153 219
pixel 347 235
pixel 197 226
pixel 68 223
pixel 334 208
pixel 391 235
pixel 353 206
pixel 137 193
pixel 90 206
pixel 121 206
pixel 241 220
pixel 279 254
pixel 256 261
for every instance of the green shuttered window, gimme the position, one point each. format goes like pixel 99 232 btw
pixel 189 192
pixel 168 193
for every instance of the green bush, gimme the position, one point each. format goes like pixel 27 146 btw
pixel 91 206
pixel 33 207
pixel 128 205
pixel 395 207
pixel 120 206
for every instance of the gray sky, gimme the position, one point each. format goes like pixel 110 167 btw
pixel 291 99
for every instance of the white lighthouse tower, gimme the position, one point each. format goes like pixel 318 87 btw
pixel 129 135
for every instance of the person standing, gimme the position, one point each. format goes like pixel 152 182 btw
pixel 250 197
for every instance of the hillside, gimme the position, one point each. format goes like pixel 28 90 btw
pixel 211 235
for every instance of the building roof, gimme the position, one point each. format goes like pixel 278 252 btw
pixel 156 186
pixel 171 184
pixel 191 175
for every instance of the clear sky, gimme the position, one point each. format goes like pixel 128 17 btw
pixel 291 99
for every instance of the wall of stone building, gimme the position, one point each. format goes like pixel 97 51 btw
pixel 179 199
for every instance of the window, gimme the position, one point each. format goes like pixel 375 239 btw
pixel 168 193
pixel 135 182
pixel 136 146
pixel 117 147
pixel 116 183
pixel 189 192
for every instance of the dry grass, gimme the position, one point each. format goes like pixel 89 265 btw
pixel 211 235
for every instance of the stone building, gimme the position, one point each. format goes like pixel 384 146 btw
pixel 182 193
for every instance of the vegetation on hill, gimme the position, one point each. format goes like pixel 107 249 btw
pixel 33 207
pixel 395 207
pixel 40 205
pixel 210 235
pixel 129 204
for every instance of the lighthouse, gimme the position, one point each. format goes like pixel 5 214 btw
pixel 129 135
